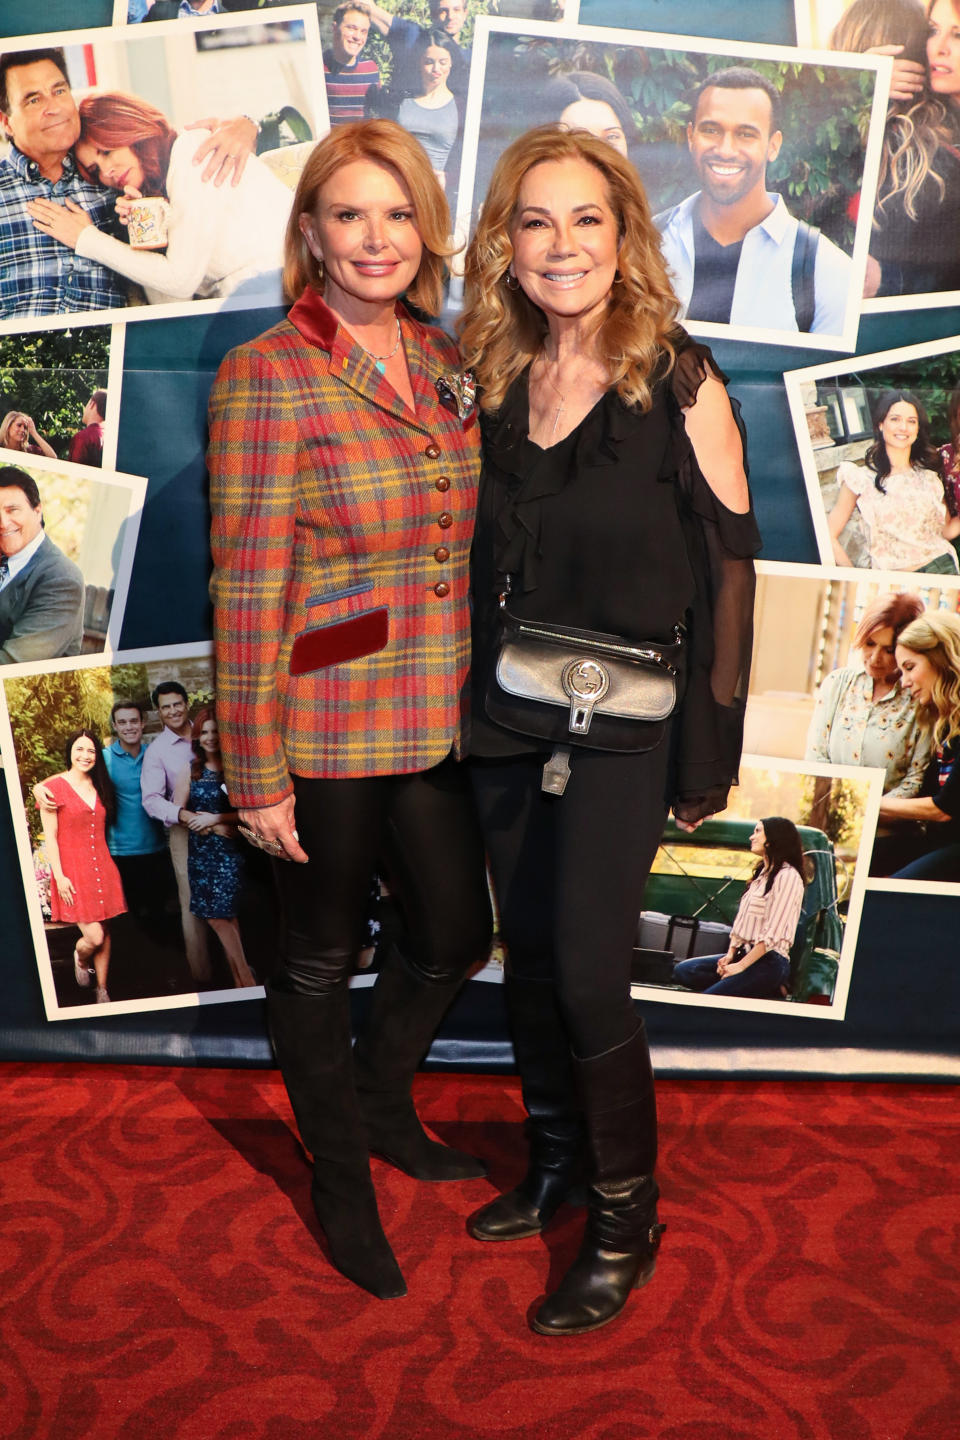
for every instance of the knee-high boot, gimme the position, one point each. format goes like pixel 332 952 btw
pixel 405 1011
pixel 619 1248
pixel 311 1038
pixel 554 1128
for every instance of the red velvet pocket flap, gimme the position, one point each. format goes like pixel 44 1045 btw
pixel 341 640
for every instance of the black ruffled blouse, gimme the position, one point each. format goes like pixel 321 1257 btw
pixel 615 529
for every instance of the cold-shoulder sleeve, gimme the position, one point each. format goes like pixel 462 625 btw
pixel 721 544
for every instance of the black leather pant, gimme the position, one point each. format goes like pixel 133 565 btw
pixel 569 873
pixel 421 832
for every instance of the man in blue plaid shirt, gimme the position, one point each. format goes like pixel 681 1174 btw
pixel 38 276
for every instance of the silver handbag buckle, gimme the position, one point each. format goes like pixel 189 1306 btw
pixel 586 681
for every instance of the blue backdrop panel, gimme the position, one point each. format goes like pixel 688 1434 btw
pixel 767 21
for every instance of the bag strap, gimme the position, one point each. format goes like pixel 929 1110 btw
pixel 802 273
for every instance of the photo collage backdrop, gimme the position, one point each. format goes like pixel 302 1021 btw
pixel 843 293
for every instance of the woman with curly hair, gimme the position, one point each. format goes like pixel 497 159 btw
pixel 86 889
pixel 757 962
pixel 593 514
pixel 925 844
pixel 218 237
pixel 899 493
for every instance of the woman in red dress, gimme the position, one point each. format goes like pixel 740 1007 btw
pixel 86 889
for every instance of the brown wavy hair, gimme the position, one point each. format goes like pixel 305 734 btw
pixel 936 636
pixel 915 129
pixel 896 609
pixel 199 760
pixel 113 118
pixel 382 142
pixel 501 331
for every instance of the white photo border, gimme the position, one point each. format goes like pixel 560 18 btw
pixel 136 486
pixel 779 54
pixel 136 35
pixel 872 781
pixel 793 381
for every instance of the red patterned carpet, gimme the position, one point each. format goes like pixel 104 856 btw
pixel 160 1277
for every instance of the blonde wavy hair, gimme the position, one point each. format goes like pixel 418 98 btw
pixel 501 331
pixel 916 129
pixel 936 636
pixel 382 142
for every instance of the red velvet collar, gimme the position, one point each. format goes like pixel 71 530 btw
pixel 312 316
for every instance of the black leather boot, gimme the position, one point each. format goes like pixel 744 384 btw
pixel 555 1131
pixel 404 1013
pixel 311 1038
pixel 619 1248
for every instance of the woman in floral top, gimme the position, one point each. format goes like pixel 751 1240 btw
pixel 863 715
pixel 757 962
pixel 899 493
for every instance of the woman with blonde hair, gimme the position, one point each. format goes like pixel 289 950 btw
pixel 597 525
pixel 925 844
pixel 217 238
pixel 343 495
pixel 912 247
pixel 18 432
pixel 863 715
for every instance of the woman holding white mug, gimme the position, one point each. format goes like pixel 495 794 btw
pixel 217 238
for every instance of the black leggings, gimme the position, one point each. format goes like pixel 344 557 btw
pixel 569 873
pixel 421 832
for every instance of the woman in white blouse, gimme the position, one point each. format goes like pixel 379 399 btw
pixel 757 962
pixel 863 715
pixel 219 237
pixel 899 493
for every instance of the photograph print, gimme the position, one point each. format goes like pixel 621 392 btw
pixel 115 198
pixel 60 393
pixel 140 891
pixel 856 670
pixel 879 443
pixel 68 535
pixel 760 164
pixel 759 907
pixel 914 256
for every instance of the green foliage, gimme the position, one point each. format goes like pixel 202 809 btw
pixel 52 376
pixel 835 807
pixel 932 378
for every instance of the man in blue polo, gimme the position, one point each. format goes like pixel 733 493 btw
pixel 137 842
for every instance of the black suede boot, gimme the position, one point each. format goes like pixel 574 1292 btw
pixel 311 1038
pixel 404 1013
pixel 555 1131
pixel 619 1248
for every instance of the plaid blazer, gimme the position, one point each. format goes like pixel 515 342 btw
pixel 329 500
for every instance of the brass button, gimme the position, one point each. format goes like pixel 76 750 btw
pixel 441 589
pixel 432 451
pixel 441 553
pixel 444 519
pixel 442 482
